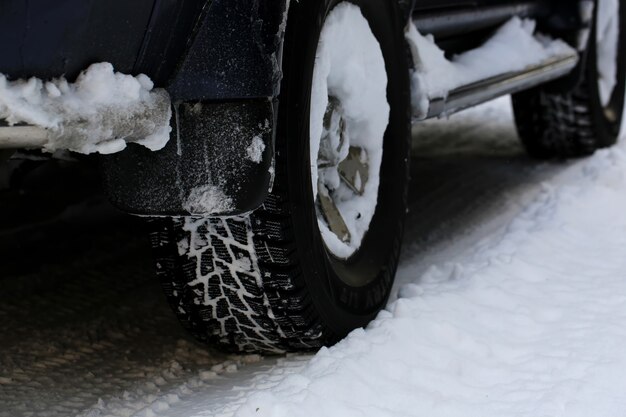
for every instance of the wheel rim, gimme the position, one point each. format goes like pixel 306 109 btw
pixel 607 44
pixel 348 118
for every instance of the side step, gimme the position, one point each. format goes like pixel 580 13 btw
pixel 461 21
pixel 23 136
pixel 509 83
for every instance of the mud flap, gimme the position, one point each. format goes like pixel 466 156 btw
pixel 217 162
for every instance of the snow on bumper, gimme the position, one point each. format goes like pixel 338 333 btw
pixel 100 112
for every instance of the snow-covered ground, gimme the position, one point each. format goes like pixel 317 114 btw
pixel 511 301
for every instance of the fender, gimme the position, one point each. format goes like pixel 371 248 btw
pixel 224 91
pixel 234 54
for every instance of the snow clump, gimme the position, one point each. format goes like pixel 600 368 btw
pixel 255 150
pixel 100 112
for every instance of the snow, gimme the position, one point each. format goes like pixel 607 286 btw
pixel 607 39
pixel 100 112
pixel 255 150
pixel 207 199
pixel 349 66
pixel 525 319
pixel 513 47
pixel 510 301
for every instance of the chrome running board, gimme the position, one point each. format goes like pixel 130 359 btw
pixel 499 85
pixel 23 136
pixel 12 137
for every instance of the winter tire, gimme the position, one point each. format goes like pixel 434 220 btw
pixel 575 123
pixel 270 281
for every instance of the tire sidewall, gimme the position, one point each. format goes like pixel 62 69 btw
pixel 340 306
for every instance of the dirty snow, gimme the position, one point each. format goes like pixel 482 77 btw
pixel 511 301
pixel 513 47
pixel 349 66
pixel 100 112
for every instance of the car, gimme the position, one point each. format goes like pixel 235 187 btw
pixel 276 134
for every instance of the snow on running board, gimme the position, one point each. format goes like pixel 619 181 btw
pixel 513 47
pixel 100 112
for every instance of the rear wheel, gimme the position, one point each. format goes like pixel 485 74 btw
pixel 588 117
pixel 319 257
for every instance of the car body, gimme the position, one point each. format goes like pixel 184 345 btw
pixel 225 54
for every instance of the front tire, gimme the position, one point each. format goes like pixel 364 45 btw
pixel 267 282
